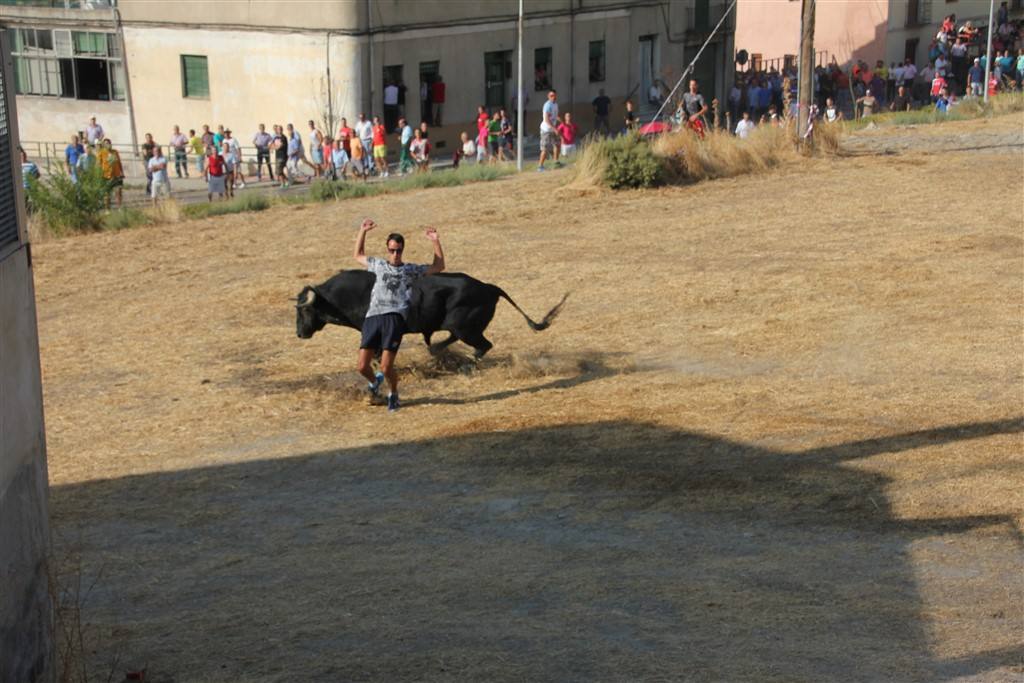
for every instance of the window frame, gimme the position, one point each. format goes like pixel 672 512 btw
pixel 61 70
pixel 185 94
pixel 548 83
pixel 603 58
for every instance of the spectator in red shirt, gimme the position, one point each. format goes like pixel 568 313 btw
pixel 345 135
pixel 437 97
pixel 380 147
pixel 567 131
pixel 938 83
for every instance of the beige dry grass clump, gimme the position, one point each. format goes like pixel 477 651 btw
pixel 167 211
pixel 721 155
pixel 686 158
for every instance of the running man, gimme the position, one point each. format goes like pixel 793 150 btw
pixel 389 305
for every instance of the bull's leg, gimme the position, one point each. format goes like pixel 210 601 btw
pixel 441 346
pixel 478 341
pixel 426 337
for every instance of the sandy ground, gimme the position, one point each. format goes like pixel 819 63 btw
pixel 776 434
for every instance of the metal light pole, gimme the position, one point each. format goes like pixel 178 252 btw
pixel 519 95
pixel 988 50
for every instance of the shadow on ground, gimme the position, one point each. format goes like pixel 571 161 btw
pixel 606 551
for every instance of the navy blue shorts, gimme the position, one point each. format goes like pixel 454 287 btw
pixel 383 332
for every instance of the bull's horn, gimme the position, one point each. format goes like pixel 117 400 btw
pixel 310 296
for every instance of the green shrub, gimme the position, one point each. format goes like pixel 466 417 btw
pixel 325 190
pixel 126 218
pixel 631 163
pixel 66 206
pixel 481 173
pixel 247 202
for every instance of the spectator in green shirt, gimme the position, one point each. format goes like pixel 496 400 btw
pixel 494 137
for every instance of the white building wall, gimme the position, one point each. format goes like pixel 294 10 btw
pixel 255 77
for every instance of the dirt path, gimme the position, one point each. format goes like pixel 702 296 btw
pixel 776 435
pixel 980 136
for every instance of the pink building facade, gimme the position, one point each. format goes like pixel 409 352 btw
pixel 844 29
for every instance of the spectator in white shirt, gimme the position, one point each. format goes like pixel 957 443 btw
pixel 93 132
pixel 157 167
pixel 390 106
pixel 364 130
pixel 744 126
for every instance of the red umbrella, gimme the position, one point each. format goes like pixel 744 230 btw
pixel 654 128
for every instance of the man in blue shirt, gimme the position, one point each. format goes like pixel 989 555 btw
pixel 942 104
pixel 71 154
pixel 976 78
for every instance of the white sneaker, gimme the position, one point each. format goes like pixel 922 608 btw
pixel 242 186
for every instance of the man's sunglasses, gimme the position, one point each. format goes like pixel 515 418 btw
pixel 394 251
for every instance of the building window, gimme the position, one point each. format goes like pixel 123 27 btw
pixel 82 65
pixel 542 68
pixel 195 77
pixel 701 15
pixel 596 61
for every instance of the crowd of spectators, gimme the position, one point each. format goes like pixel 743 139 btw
pixel 954 69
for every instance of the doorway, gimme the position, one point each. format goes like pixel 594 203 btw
pixel 649 61
pixel 497 74
pixel 428 74
pixel 394 96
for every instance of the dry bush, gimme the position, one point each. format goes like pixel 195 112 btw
pixel 721 155
pixel 166 211
pixel 827 138
pixel 38 230
pixel 626 161
pixel 590 167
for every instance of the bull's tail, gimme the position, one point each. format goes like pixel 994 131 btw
pixel 545 322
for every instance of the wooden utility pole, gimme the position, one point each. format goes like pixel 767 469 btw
pixel 806 84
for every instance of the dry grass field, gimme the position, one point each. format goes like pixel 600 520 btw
pixel 775 435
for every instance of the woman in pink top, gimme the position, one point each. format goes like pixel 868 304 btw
pixel 481 133
pixel 567 131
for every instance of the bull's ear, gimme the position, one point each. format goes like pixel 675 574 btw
pixel 307 297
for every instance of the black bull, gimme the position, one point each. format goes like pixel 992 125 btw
pixel 455 302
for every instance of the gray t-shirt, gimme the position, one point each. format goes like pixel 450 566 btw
pixel 393 287
pixel 692 103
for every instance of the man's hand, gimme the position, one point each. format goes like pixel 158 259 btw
pixel 438 265
pixel 367 225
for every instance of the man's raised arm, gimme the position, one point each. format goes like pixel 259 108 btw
pixel 438 265
pixel 360 252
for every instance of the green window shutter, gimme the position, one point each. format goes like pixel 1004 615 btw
pixel 195 77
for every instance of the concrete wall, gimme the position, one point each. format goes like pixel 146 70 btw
pixel 460 52
pixel 26 617
pixel 26 650
pixel 847 29
pixel 254 77
pixel 53 119
pixel 270 73
pixel 281 15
